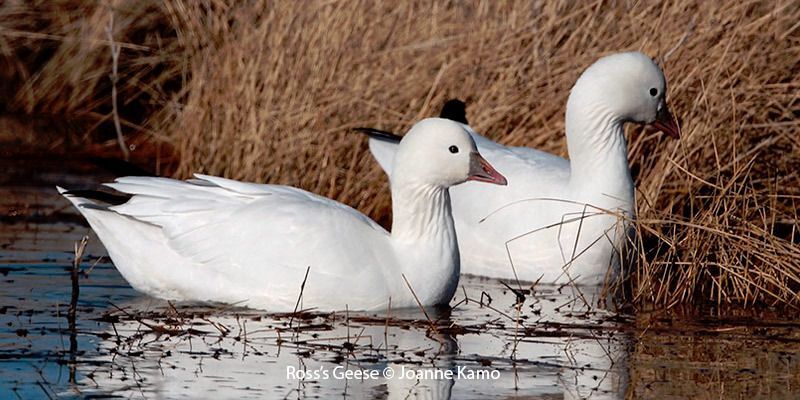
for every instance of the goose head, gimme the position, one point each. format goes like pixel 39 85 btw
pixel 440 152
pixel 631 87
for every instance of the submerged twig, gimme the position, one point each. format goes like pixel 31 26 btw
pixel 80 247
pixel 299 297
pixel 430 322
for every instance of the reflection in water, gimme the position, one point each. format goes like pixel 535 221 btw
pixel 149 348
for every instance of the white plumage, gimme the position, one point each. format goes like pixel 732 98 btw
pixel 215 239
pixel 560 220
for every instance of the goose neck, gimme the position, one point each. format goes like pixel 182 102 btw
pixel 424 239
pixel 420 211
pixel 597 149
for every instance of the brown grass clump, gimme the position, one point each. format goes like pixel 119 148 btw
pixel 267 91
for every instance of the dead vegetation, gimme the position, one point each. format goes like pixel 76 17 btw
pixel 267 91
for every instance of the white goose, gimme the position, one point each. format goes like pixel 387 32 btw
pixel 534 222
pixel 215 239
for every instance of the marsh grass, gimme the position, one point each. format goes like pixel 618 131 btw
pixel 267 91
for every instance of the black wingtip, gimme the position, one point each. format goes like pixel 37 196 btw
pixel 105 197
pixel 455 110
pixel 379 134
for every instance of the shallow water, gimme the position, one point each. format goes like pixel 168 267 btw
pixel 126 344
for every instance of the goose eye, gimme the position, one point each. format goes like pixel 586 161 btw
pixel 653 92
pixel 453 149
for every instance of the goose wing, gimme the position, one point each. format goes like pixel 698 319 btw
pixel 254 228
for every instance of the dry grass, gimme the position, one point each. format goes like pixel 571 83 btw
pixel 266 91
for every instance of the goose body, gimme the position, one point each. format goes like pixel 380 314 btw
pixel 558 221
pixel 215 239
